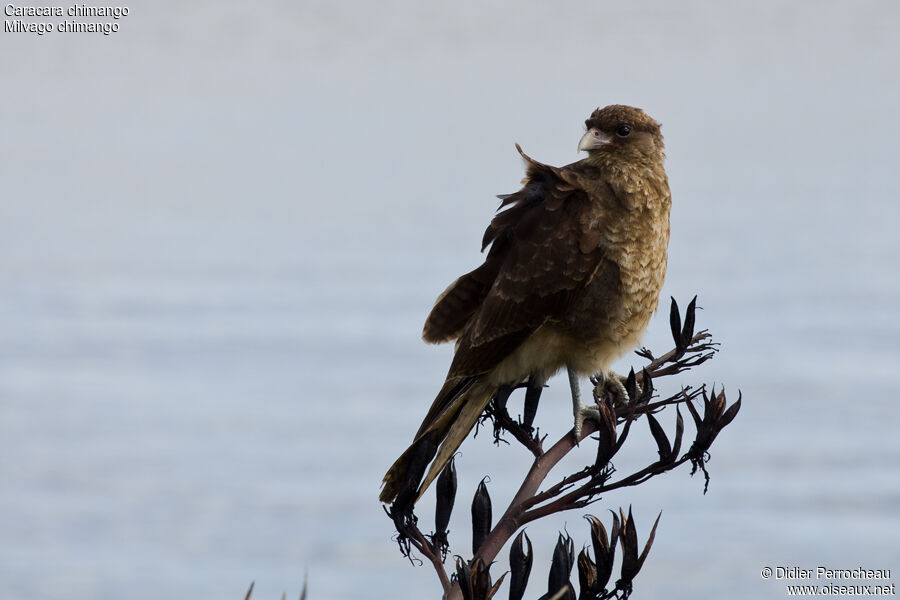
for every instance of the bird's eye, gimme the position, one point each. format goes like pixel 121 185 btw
pixel 623 130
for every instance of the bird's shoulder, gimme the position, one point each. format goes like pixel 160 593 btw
pixel 553 202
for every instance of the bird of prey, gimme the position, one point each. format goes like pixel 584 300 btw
pixel 576 262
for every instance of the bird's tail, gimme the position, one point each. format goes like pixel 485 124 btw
pixel 452 416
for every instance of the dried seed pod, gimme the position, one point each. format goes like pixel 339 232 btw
pixel 481 516
pixel 480 580
pixel 679 432
pixel 729 415
pixel 631 385
pixel 715 418
pixel 631 561
pixel 561 567
pixel 675 326
pixel 464 577
pixel 687 332
pixel 520 560
pixel 698 422
pixel 587 575
pixel 606 435
pixel 646 387
pixel 604 550
pixel 446 496
pixel 662 442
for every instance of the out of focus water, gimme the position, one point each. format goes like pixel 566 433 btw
pixel 221 229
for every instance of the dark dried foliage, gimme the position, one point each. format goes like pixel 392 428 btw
pixel 472 580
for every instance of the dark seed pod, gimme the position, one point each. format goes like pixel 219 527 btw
pixel 481 580
pixel 714 419
pixel 631 385
pixel 646 387
pixel 481 516
pixel 679 432
pixel 631 562
pixel 698 422
pixel 687 332
pixel 606 435
pixel 675 326
pixel 446 496
pixel 629 542
pixel 604 548
pixel 729 415
pixel 520 559
pixel 662 442
pixel 561 567
pixel 587 576
pixel 464 577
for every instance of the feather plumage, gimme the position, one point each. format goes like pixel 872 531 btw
pixel 575 261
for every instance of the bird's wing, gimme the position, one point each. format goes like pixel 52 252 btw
pixel 542 256
pixel 546 253
pixel 532 224
pixel 456 305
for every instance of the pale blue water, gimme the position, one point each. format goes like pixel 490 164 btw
pixel 222 227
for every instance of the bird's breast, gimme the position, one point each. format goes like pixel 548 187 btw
pixel 615 306
pixel 619 301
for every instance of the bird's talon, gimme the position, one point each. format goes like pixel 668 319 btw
pixel 582 413
pixel 613 385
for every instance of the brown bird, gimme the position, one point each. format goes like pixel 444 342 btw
pixel 576 262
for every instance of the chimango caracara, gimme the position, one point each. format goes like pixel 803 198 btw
pixel 576 262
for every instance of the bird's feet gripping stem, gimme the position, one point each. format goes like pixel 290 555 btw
pixel 580 410
pixel 611 384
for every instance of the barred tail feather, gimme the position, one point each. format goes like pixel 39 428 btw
pixel 475 400
pixel 439 441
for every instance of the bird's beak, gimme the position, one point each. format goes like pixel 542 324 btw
pixel 594 138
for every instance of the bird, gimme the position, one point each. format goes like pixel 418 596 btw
pixel 572 276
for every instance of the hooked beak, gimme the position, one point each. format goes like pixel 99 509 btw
pixel 593 139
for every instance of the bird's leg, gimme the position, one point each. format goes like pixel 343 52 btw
pixel 614 384
pixel 581 411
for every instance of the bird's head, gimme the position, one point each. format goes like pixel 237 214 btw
pixel 621 131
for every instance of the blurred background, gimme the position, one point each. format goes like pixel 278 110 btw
pixel 222 227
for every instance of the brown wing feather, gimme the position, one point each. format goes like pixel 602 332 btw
pixel 545 190
pixel 456 305
pixel 546 259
